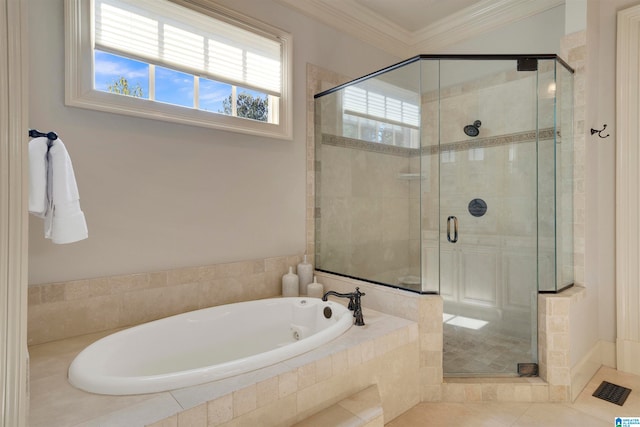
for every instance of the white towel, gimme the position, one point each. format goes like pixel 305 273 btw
pixel 64 221
pixel 38 200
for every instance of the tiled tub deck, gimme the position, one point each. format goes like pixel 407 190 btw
pixel 383 352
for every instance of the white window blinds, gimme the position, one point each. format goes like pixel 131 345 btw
pixel 378 104
pixel 163 33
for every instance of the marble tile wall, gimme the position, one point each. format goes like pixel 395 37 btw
pixel 554 343
pixel 499 101
pixel 499 165
pixel 364 215
pixel 553 383
pixel 426 310
pixel 318 80
pixel 67 309
pixel 359 189
pixel 574 50
pixel 364 221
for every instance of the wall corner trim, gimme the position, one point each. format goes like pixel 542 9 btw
pixel 627 190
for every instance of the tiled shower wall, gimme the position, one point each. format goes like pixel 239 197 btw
pixel 370 212
pixel 365 218
pixel 574 49
pixel 500 162
pixel 554 320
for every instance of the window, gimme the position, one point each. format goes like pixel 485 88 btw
pixel 202 65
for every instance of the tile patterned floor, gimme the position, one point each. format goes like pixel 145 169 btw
pixel 494 352
pixel 586 411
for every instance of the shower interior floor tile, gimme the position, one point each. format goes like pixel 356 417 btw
pixel 586 411
pixel 486 350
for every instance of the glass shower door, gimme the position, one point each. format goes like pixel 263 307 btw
pixel 487 217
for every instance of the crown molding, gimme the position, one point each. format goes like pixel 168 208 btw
pixel 357 21
pixel 354 19
pixel 478 19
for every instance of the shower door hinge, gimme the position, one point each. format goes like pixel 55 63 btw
pixel 528 369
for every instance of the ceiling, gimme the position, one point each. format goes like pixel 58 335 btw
pixel 414 15
pixel 410 27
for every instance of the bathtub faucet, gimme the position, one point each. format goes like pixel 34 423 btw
pixel 354 303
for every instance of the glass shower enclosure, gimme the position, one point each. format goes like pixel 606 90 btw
pixel 453 175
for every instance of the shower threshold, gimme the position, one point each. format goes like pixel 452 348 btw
pixel 488 376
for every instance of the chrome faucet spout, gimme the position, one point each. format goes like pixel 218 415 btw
pixel 354 303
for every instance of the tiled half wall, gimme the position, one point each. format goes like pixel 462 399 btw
pixel 67 309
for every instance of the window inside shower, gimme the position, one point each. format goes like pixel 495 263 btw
pixel 452 175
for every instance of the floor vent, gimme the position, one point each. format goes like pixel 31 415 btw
pixel 612 393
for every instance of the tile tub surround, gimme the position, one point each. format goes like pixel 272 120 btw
pixel 425 310
pixel 68 309
pixel 554 384
pixel 384 352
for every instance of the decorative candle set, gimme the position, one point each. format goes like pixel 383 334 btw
pixel 299 284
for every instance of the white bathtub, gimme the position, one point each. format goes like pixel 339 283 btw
pixel 206 345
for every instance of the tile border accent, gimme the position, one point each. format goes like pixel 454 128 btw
pixel 486 142
pixel 496 141
pixel 358 144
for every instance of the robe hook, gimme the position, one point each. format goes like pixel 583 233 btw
pixel 599 131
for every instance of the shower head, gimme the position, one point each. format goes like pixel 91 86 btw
pixel 472 130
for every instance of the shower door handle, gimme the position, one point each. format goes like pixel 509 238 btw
pixel 455 229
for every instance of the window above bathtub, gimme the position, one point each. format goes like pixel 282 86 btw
pixel 184 61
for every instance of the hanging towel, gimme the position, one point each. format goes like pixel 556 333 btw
pixel 64 221
pixel 38 200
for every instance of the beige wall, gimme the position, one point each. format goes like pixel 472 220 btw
pixel 599 308
pixel 601 157
pixel 158 195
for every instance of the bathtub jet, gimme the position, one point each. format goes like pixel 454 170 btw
pixel 206 345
